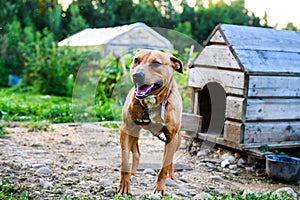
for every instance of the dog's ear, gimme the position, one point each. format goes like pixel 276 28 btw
pixel 177 64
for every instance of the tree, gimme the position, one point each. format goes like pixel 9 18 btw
pixel 76 22
pixel 290 26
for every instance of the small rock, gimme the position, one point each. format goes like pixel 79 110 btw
pixel 133 179
pixel 203 195
pixel 247 192
pixel 155 196
pixel 233 167
pixel 202 154
pixel 217 178
pixel 249 169
pixel 237 155
pixel 149 171
pixel 37 193
pixel 225 163
pixel 69 192
pixel 68 179
pixel 109 192
pixel 183 191
pixel 67 142
pixel 106 182
pixel 288 190
pixel 229 157
pixel 73 173
pixel 241 162
pixel 65 134
pixel 170 182
pixel 46 184
pixel 184 179
pixel 44 171
pixel 55 176
pixel 37 166
pixel 212 160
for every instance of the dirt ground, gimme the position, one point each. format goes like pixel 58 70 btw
pixel 82 160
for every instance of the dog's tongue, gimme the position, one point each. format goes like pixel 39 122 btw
pixel 142 90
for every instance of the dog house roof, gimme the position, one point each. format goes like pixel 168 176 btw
pixel 261 50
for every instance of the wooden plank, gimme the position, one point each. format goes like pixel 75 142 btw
pixel 217 139
pixel 257 38
pixel 268 132
pixel 191 123
pixel 233 131
pixel 217 56
pixel 232 81
pixel 273 109
pixel 273 145
pixel 274 86
pixel 217 37
pixel 269 62
pixel 234 107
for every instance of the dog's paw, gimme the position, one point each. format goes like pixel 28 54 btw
pixel 159 189
pixel 124 185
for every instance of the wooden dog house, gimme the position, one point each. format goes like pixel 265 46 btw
pixel 246 83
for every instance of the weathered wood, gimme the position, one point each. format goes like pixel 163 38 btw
pixel 196 108
pixel 217 139
pixel 217 56
pixel 232 81
pixel 273 109
pixel 234 108
pixel 191 123
pixel 217 37
pixel 256 38
pixel 272 145
pixel 233 131
pixel 266 132
pixel 269 62
pixel 274 86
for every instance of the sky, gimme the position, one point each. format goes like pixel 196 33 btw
pixel 279 12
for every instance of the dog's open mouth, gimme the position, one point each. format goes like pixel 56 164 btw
pixel 145 90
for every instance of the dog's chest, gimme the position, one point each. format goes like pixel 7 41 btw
pixel 155 116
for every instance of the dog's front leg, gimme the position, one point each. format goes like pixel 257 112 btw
pixel 128 143
pixel 167 165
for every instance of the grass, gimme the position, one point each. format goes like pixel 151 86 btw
pixel 3 131
pixel 9 192
pixel 21 106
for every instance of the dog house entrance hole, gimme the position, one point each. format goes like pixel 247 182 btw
pixel 212 105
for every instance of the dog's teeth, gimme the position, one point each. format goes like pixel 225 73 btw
pixel 141 121
pixel 146 120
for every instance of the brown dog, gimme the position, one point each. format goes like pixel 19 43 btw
pixel 153 104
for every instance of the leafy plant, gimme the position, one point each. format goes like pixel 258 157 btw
pixel 9 192
pixel 3 131
pixel 36 126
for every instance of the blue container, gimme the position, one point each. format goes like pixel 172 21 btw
pixel 283 168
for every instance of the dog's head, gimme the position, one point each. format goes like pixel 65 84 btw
pixel 151 71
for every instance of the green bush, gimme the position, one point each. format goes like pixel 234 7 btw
pixel 48 68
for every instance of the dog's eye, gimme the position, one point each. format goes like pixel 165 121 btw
pixel 155 64
pixel 135 60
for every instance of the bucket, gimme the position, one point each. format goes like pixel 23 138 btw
pixel 283 168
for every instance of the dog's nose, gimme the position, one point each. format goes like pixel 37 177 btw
pixel 138 77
